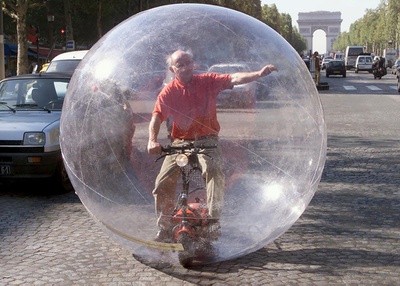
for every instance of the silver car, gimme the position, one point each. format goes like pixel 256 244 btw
pixel 30 111
pixel 240 96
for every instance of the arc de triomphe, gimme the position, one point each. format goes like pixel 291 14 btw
pixel 329 22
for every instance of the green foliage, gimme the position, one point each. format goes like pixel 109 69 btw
pixel 87 21
pixel 102 15
pixel 282 23
pixel 376 30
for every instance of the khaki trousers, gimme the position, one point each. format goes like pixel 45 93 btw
pixel 166 182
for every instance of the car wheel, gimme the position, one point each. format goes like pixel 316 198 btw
pixel 327 75
pixel 61 179
pixel 344 75
pixel 356 70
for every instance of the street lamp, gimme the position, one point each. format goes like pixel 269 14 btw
pixel 38 66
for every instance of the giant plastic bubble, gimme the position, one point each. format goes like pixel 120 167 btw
pixel 274 150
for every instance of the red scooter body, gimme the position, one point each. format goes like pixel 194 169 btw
pixel 192 225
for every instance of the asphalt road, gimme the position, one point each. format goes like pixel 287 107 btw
pixel 348 235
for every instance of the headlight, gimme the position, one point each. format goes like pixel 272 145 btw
pixel 182 160
pixel 34 138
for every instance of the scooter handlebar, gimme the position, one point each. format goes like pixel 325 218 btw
pixel 187 148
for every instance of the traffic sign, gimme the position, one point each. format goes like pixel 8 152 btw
pixel 70 45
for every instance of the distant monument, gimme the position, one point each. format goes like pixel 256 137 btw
pixel 329 22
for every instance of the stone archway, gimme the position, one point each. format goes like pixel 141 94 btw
pixel 329 22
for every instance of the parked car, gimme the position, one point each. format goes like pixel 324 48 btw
pixel 363 63
pixel 30 111
pixel 335 67
pixel 240 96
pixel 66 62
pixel 395 66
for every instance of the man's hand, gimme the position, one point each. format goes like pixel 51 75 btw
pixel 267 70
pixel 154 148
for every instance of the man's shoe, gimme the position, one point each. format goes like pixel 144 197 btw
pixel 163 236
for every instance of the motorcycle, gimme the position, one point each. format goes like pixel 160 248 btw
pixel 378 69
pixel 192 225
pixel 379 72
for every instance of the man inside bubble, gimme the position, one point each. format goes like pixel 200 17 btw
pixel 190 99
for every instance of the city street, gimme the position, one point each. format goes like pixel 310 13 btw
pixel 348 235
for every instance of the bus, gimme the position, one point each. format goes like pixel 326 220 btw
pixel 351 54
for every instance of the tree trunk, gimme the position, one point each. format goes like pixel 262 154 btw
pixel 22 58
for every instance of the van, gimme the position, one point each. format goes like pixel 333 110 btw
pixel 363 63
pixel 351 54
pixel 339 57
pixel 66 62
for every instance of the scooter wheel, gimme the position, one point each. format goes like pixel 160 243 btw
pixel 185 256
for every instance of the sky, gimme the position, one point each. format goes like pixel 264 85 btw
pixel 352 10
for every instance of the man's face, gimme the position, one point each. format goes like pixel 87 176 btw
pixel 183 67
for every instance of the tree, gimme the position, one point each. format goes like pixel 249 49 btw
pixel 282 23
pixel 17 10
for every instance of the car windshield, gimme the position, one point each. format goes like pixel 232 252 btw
pixel 355 51
pixel 33 93
pixel 336 63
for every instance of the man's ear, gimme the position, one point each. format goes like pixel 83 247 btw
pixel 171 69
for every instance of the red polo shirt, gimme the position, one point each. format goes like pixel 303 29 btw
pixel 192 105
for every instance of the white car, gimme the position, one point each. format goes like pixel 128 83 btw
pixel 363 63
pixel 30 112
pixel 66 62
pixel 325 61
pixel 240 96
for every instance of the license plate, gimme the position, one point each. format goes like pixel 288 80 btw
pixel 336 71
pixel 5 170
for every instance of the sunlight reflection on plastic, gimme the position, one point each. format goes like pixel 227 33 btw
pixel 274 146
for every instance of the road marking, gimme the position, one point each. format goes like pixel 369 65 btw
pixel 349 87
pixel 373 87
pixel 393 87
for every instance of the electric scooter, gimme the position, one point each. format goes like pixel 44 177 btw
pixel 193 227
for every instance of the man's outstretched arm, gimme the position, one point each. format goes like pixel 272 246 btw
pixel 246 77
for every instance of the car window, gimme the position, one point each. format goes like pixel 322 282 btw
pixel 33 93
pixel 67 66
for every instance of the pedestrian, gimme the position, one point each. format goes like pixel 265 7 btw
pixel 317 67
